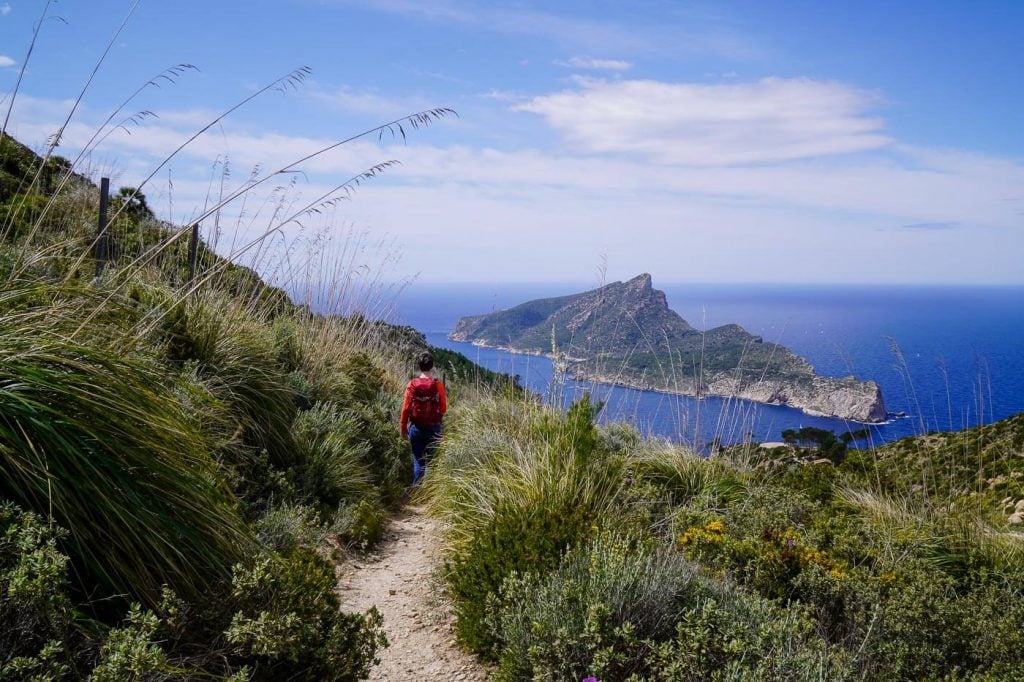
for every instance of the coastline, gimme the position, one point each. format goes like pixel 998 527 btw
pixel 640 386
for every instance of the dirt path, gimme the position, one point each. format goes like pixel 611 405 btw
pixel 398 580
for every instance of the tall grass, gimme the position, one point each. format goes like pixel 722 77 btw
pixel 99 443
pixel 232 351
pixel 503 454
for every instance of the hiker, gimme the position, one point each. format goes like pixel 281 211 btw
pixel 422 413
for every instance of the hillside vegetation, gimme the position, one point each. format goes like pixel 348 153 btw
pixel 578 551
pixel 179 463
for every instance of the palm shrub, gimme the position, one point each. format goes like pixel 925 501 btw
pixel 334 472
pixel 231 350
pixel 349 364
pixel 329 463
pixel 98 442
pixel 350 375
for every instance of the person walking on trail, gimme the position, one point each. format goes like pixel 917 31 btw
pixel 422 414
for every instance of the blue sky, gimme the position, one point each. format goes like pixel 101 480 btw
pixel 700 141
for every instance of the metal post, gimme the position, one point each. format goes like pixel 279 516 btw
pixel 193 252
pixel 100 250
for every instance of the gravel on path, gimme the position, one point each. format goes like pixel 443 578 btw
pixel 398 579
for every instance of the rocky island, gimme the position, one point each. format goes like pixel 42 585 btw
pixel 624 333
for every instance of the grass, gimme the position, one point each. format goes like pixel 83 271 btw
pixel 100 444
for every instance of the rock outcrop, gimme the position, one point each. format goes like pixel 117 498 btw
pixel 624 333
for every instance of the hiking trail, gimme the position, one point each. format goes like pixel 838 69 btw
pixel 398 579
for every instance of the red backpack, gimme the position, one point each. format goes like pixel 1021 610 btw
pixel 425 409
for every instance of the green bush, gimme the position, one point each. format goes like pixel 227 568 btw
pixel 595 614
pixel 289 526
pixel 528 539
pixel 362 524
pixel 231 351
pixel 130 652
pixel 734 636
pixel 36 613
pixel 289 624
pixel 329 463
pixel 620 609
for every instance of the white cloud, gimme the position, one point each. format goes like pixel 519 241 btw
pixel 5 9
pixel 6 61
pixel 908 214
pixel 595 64
pixel 771 120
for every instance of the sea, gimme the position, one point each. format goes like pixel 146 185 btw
pixel 946 357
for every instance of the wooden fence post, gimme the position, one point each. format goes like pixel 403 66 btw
pixel 193 252
pixel 100 251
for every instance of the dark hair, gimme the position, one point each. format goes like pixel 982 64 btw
pixel 425 362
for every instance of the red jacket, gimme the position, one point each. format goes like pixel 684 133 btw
pixel 407 403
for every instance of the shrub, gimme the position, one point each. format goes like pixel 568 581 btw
pixel 329 460
pixel 362 524
pixel 36 614
pixel 519 539
pixel 289 526
pixel 596 613
pixel 289 623
pixel 232 352
pixel 621 609
pixel 130 653
pixel 741 637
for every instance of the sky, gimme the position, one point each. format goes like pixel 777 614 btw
pixel 792 141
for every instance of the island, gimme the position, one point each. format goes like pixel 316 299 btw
pixel 624 333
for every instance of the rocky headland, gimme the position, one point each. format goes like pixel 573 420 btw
pixel 624 333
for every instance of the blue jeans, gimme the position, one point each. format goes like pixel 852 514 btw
pixel 424 441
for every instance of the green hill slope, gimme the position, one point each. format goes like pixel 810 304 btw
pixel 178 462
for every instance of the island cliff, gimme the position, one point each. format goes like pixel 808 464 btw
pixel 624 333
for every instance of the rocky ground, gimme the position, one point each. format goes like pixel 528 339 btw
pixel 398 580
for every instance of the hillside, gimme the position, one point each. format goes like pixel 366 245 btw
pixel 625 333
pixel 983 464
pixel 182 461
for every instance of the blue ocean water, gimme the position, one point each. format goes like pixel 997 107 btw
pixel 947 357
